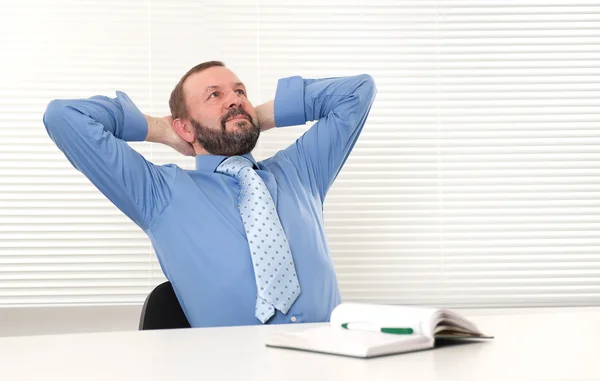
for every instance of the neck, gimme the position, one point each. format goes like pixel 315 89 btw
pixel 198 149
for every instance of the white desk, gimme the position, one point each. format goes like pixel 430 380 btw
pixel 537 345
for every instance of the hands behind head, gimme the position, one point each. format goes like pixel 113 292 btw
pixel 173 140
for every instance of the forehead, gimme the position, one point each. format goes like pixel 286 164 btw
pixel 196 84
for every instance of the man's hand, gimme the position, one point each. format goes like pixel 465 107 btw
pixel 160 130
pixel 266 115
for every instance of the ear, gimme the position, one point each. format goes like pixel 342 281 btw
pixel 184 129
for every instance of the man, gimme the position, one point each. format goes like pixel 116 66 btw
pixel 241 241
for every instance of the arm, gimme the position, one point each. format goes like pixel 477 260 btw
pixel 92 133
pixel 340 106
pixel 160 130
pixel 265 114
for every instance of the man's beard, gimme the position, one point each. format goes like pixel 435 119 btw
pixel 228 143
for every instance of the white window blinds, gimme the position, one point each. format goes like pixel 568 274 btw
pixel 475 181
pixel 61 241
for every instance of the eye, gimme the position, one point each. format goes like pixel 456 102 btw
pixel 214 94
pixel 240 92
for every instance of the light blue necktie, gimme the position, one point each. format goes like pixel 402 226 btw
pixel 274 271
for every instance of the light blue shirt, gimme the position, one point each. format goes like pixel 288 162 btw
pixel 191 216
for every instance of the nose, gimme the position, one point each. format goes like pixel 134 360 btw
pixel 234 100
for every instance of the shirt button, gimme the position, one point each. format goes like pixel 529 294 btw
pixel 293 319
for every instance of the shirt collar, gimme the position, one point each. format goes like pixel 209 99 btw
pixel 209 163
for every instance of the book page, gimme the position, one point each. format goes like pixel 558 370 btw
pixel 420 319
pixel 340 341
pixel 447 321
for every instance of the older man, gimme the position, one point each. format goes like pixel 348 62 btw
pixel 241 241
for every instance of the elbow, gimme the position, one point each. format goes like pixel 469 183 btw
pixel 368 88
pixel 54 116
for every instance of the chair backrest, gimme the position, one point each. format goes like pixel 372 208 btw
pixel 162 310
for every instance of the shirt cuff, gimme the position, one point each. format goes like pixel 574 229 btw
pixel 289 102
pixel 135 127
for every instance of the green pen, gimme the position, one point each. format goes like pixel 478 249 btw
pixel 370 327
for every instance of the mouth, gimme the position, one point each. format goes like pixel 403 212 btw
pixel 237 117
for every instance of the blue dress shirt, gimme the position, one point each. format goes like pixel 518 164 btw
pixel 191 216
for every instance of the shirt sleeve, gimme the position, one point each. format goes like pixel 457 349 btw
pixel 93 135
pixel 340 106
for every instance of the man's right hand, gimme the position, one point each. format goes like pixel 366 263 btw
pixel 160 130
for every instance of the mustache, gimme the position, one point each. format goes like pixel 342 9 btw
pixel 234 112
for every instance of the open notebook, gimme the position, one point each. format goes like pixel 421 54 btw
pixel 356 330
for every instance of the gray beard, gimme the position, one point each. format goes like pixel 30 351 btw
pixel 227 143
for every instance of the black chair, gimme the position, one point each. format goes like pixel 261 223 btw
pixel 162 310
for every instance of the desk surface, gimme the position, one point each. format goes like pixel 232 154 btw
pixel 533 345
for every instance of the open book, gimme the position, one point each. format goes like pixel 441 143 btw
pixel 369 330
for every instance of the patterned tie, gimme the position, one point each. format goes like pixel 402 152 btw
pixel 274 271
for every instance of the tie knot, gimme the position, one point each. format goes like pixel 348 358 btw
pixel 233 164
